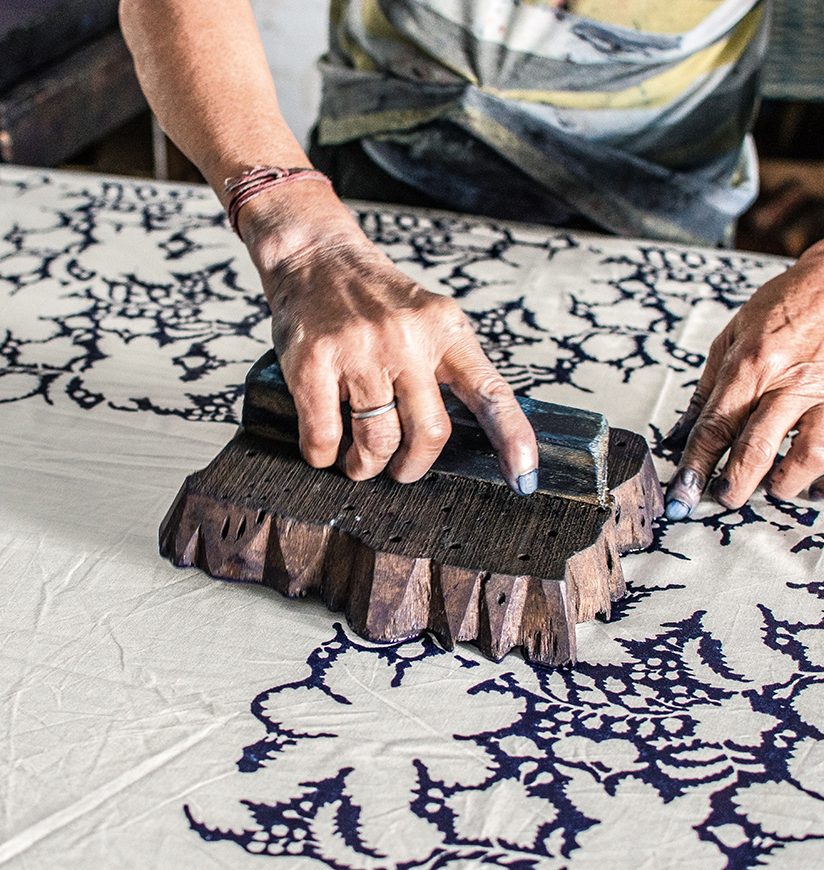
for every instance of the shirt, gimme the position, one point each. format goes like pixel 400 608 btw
pixel 631 114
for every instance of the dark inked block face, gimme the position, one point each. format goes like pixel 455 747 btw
pixel 572 443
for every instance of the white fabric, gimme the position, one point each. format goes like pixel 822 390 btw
pixel 154 717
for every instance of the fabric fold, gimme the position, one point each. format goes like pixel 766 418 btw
pixel 640 133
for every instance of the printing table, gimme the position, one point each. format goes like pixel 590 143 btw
pixel 154 717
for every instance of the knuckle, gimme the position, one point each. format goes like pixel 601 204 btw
pixel 379 442
pixel 445 305
pixel 303 360
pixel 434 433
pixel 320 438
pixel 319 348
pixel 712 432
pixel 495 391
pixel 452 321
pixel 754 451
pixel 768 357
pixel 738 369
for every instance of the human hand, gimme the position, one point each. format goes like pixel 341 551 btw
pixel 347 325
pixel 764 377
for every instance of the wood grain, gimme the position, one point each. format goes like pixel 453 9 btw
pixel 572 442
pixel 464 558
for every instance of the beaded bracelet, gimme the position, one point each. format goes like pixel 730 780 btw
pixel 252 182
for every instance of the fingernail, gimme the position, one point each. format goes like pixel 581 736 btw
pixel 683 493
pixel 528 483
pixel 676 510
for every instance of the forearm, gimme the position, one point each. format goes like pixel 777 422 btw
pixel 203 70
pixel 347 324
pixel 205 75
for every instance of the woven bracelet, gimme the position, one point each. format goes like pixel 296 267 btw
pixel 251 183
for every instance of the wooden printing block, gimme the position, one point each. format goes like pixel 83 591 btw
pixel 572 443
pixel 456 553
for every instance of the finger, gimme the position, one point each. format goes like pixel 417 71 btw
pixel 475 381
pixel 374 439
pixel 754 450
pixel 718 424
pixel 676 438
pixel 317 401
pixel 425 427
pixel 817 489
pixel 803 465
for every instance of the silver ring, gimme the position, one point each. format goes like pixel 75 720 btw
pixel 375 412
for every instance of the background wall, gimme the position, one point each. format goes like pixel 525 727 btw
pixel 294 35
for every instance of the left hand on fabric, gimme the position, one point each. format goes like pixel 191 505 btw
pixel 764 377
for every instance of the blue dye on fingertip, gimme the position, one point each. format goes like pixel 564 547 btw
pixel 676 510
pixel 720 487
pixel 528 483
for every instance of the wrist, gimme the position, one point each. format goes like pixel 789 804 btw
pixel 285 221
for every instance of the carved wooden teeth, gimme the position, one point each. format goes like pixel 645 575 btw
pixel 220 523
